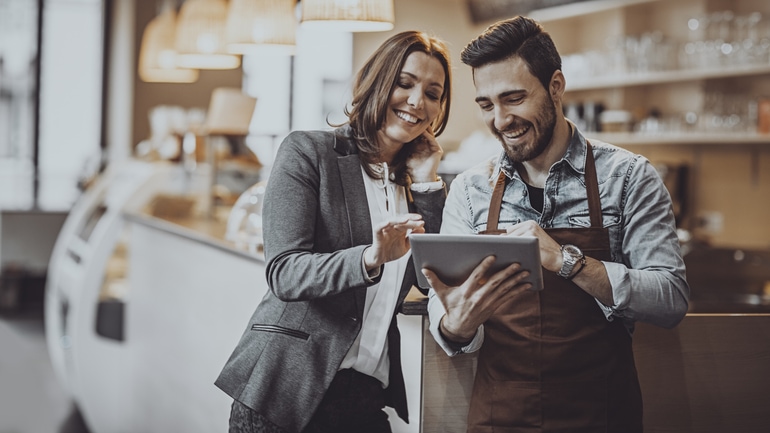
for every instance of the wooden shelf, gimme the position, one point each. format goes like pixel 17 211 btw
pixel 690 138
pixel 664 77
pixel 581 8
pixel 662 94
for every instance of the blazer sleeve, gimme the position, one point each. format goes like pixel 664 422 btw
pixel 431 206
pixel 308 253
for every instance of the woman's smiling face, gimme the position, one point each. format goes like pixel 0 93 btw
pixel 414 103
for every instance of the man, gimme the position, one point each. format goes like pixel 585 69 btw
pixel 559 359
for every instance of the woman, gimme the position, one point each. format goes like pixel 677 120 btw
pixel 321 352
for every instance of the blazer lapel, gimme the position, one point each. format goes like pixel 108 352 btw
pixel 356 204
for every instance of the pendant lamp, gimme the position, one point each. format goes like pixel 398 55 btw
pixel 230 112
pixel 348 15
pixel 157 55
pixel 200 36
pixel 261 26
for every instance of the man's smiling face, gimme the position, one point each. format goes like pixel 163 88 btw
pixel 516 107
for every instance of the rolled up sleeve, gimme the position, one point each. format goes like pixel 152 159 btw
pixel 435 312
pixel 649 285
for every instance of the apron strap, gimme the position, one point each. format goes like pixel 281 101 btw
pixel 496 203
pixel 592 189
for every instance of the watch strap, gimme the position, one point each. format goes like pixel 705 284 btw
pixel 580 269
pixel 569 260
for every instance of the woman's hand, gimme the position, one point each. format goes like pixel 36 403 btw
pixel 422 165
pixel 390 239
pixel 472 303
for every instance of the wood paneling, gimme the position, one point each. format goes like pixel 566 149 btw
pixel 709 374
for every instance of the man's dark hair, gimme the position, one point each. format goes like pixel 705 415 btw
pixel 518 36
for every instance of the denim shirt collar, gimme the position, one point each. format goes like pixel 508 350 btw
pixel 575 157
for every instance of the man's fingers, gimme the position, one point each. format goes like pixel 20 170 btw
pixel 433 280
pixel 512 271
pixel 480 272
pixel 511 289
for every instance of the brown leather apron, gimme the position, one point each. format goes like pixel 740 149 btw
pixel 551 361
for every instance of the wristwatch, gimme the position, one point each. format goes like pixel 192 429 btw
pixel 571 255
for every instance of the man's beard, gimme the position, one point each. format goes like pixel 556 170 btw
pixel 545 123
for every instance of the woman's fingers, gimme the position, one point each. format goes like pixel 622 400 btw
pixel 407 218
pixel 403 223
pixel 391 237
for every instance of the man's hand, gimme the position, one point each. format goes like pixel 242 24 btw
pixel 593 280
pixel 472 303
pixel 550 251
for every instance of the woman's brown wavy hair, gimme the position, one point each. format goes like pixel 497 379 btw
pixel 373 86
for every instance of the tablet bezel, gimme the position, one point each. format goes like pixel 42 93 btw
pixel 454 256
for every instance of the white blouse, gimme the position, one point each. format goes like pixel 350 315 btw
pixel 369 353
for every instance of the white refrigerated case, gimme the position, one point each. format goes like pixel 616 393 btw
pixel 87 353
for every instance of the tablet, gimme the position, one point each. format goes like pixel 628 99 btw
pixel 454 257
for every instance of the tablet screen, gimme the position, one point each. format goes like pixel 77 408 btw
pixel 454 257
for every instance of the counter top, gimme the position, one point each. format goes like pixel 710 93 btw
pixel 209 231
pixel 415 303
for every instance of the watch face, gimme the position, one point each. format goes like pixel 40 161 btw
pixel 571 255
pixel 573 251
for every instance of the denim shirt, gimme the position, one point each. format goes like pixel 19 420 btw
pixel 647 272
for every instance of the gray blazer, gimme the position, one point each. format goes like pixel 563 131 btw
pixel 316 227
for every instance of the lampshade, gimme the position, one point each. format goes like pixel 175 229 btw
pixel 348 15
pixel 157 55
pixel 200 36
pixel 261 26
pixel 230 112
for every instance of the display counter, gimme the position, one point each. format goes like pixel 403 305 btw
pixel 710 374
pixel 192 294
pixel 144 308
pixel 141 312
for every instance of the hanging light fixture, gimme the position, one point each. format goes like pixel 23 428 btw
pixel 261 26
pixel 157 55
pixel 348 15
pixel 200 36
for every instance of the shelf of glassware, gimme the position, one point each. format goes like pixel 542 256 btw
pixel 665 77
pixel 582 8
pixel 682 138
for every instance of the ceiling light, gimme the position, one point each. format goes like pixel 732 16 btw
pixel 200 36
pixel 261 26
pixel 348 15
pixel 157 55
